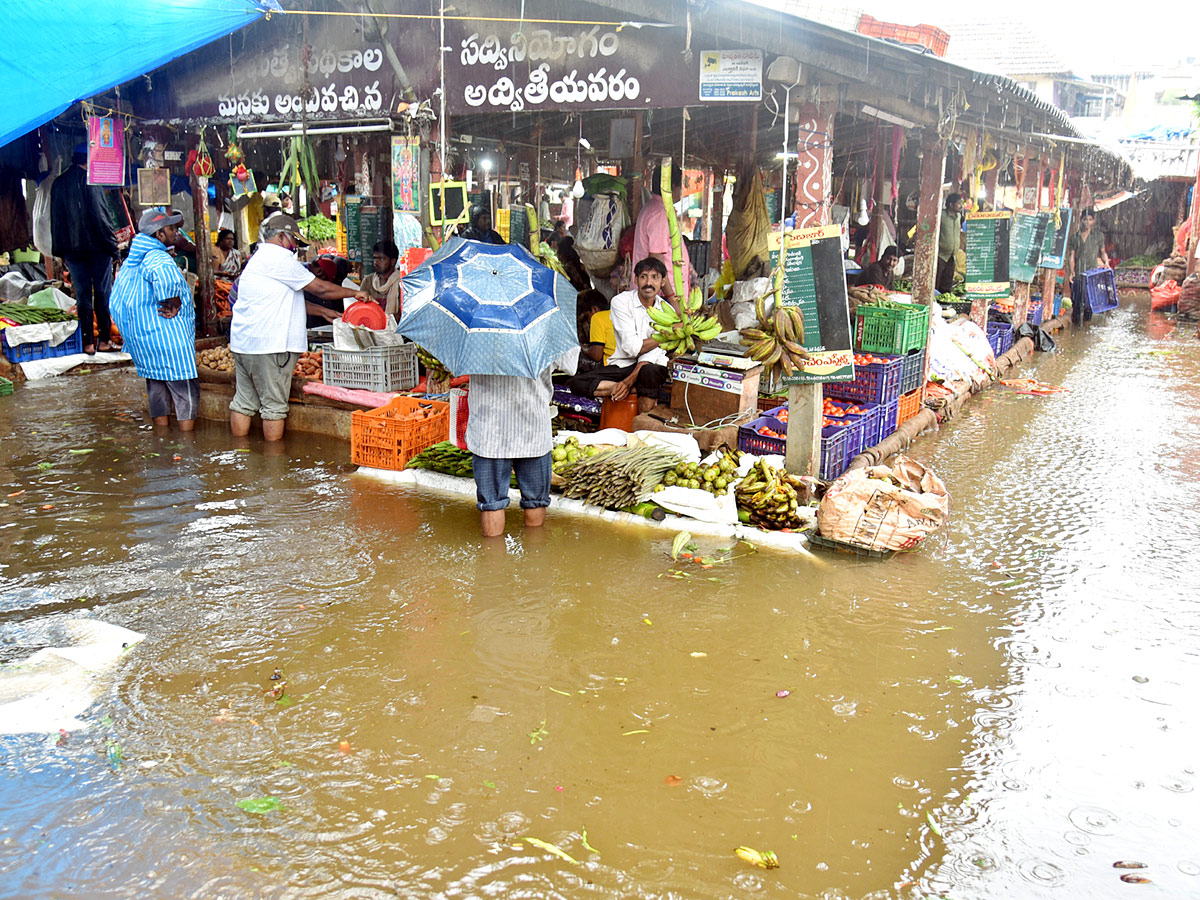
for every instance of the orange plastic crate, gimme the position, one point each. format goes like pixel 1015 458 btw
pixel 910 405
pixel 388 437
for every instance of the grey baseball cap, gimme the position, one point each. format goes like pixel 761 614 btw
pixel 155 220
pixel 284 222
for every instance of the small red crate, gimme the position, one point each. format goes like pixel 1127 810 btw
pixel 388 437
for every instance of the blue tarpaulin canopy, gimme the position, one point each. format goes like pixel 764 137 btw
pixel 60 51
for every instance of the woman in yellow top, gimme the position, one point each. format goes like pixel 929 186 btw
pixel 602 340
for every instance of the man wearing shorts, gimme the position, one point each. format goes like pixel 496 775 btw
pixel 154 311
pixel 267 333
pixel 509 431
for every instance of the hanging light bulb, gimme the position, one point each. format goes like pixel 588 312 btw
pixel 577 191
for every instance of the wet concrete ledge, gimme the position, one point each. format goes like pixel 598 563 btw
pixel 930 420
pixel 794 542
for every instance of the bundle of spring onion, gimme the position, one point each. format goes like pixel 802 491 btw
pixel 621 477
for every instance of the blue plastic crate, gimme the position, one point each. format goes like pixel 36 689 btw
pixel 1057 305
pixel 1099 289
pixel 41 349
pixel 1035 313
pixel 886 418
pixel 1000 336
pixel 874 383
pixel 839 444
pixel 912 372
pixel 750 441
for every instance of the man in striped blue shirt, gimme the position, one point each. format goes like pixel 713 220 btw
pixel 154 311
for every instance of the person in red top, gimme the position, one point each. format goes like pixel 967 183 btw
pixel 652 235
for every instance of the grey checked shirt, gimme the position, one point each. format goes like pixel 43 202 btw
pixel 510 415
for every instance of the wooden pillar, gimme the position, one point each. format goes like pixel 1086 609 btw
pixel 990 183
pixel 929 217
pixel 717 220
pixel 206 287
pixel 635 187
pixel 1020 295
pixel 814 179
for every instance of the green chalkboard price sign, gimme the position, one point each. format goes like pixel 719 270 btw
pixel 371 223
pixel 987 254
pixel 1053 259
pixel 1026 238
pixel 353 228
pixel 814 279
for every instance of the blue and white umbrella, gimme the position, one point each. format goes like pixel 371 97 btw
pixel 489 309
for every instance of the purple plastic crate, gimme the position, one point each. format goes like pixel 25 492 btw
pixel 750 441
pixel 42 349
pixel 833 453
pixel 1100 289
pixel 887 414
pixel 1035 314
pixel 874 383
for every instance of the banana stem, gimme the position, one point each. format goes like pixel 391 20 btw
pixel 672 224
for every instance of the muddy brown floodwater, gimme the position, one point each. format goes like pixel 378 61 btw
pixel 1005 713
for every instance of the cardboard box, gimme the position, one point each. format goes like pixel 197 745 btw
pixel 711 391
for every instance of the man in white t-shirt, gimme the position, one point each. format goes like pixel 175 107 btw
pixel 637 364
pixel 267 333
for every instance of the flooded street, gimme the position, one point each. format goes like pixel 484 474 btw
pixel 1003 714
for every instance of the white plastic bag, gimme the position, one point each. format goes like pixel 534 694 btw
pixel 41 217
pixel 600 233
pixel 359 337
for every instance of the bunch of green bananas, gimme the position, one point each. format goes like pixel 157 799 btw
pixel 779 338
pixel 444 457
pixel 683 330
pixel 767 497
pixel 433 366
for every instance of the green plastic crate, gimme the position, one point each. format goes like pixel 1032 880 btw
pixel 885 329
pixel 6 387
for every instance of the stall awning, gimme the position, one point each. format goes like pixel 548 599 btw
pixel 60 51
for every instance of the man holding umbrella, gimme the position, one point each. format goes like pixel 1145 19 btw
pixel 509 431
pixel 495 313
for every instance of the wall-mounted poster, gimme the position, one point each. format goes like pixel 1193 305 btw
pixel 106 151
pixel 406 187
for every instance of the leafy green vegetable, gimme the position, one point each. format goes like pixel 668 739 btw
pixel 260 805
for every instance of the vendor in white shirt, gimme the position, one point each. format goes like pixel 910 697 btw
pixel 267 333
pixel 637 364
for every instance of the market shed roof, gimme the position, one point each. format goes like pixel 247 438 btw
pixel 1003 47
pixel 67 50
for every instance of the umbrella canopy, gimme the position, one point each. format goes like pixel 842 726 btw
pixel 489 309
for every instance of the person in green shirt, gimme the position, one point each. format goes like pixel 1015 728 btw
pixel 948 240
pixel 1085 251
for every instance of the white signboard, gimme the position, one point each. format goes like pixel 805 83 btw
pixel 730 75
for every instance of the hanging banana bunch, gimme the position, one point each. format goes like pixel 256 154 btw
pixel 679 327
pixel 778 341
pixel 682 331
pixel 541 251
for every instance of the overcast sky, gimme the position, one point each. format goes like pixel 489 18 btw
pixel 1092 37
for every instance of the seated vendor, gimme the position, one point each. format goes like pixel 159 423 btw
pixel 227 259
pixel 596 338
pixel 637 364
pixel 383 285
pixel 326 268
pixel 882 271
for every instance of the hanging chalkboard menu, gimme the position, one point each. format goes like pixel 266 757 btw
pixel 369 234
pixel 1048 240
pixel 815 281
pixel 1025 241
pixel 518 227
pixel 353 228
pixel 1053 259
pixel 987 254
